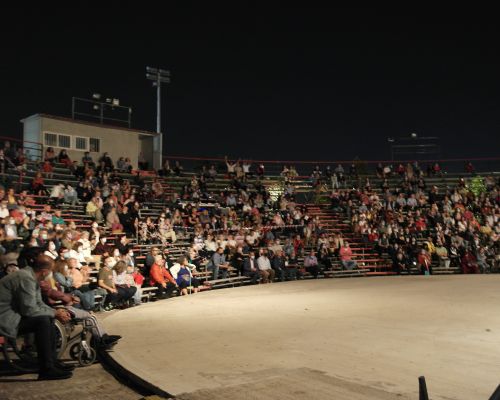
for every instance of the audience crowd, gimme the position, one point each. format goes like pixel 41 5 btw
pixel 90 263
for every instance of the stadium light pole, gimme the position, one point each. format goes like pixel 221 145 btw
pixel 158 76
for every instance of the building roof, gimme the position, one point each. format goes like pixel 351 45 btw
pixel 78 121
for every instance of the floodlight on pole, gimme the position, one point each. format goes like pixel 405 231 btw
pixel 158 76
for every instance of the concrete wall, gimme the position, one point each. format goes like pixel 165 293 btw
pixel 31 137
pixel 116 141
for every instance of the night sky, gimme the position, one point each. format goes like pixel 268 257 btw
pixel 273 83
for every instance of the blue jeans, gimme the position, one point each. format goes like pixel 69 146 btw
pixel 216 269
pixel 349 264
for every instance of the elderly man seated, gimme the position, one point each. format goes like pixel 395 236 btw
pixel 23 311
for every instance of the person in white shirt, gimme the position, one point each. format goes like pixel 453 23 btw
pixel 86 246
pixel 4 212
pixel 210 245
pixel 51 250
pixel 265 269
pixel 230 167
pixel 57 191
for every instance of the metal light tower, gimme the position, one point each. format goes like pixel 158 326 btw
pixel 158 76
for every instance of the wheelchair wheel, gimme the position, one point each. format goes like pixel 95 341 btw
pixel 61 339
pixel 86 357
pixel 74 351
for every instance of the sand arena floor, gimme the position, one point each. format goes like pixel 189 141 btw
pixel 367 338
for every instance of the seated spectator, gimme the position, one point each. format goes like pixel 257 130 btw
pixel 48 169
pixel 346 257
pixel 57 218
pixel 469 263
pixel 63 158
pixel 113 297
pixel 57 193
pixel 51 250
pixel 442 254
pixel 50 155
pixel 23 311
pixel 87 160
pixel 278 264
pixel 482 260
pixel 134 278
pixel 400 263
pixel 106 163
pixel 113 221
pixel 250 268
pixel 75 281
pixel 126 289
pixel 52 292
pixel 184 274
pixel 162 279
pixel 120 164
pixel 38 185
pixel 93 209
pixel 311 264
pixel 219 264
pixel 265 269
pixel 70 195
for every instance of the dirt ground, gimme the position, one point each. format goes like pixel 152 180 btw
pixel 87 383
pixel 353 339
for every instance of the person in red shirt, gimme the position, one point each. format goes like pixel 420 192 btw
pixel 420 224
pixel 346 257
pixel 469 263
pixel 38 185
pixel 298 245
pixel 162 279
pixel 424 260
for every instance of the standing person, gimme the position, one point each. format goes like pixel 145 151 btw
pixel 424 260
pixel 23 311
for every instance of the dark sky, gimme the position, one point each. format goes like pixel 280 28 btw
pixel 274 83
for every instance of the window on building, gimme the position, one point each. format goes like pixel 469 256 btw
pixel 81 143
pixel 50 139
pixel 64 141
pixel 95 145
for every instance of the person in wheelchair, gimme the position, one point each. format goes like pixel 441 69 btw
pixel 52 293
pixel 23 311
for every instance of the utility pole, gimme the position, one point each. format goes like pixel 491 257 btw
pixel 158 76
